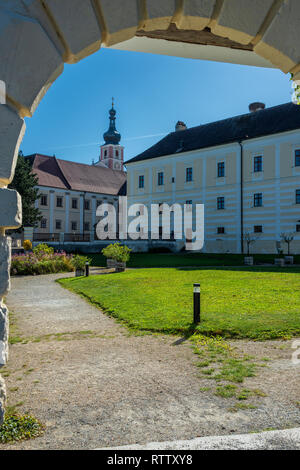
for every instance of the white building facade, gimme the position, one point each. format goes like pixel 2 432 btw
pixel 71 192
pixel 246 172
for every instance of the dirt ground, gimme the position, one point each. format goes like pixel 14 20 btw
pixel 92 384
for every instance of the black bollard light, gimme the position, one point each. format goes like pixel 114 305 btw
pixel 196 303
pixel 87 269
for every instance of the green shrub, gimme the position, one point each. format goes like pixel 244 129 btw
pixel 43 249
pixel 27 245
pixel 109 251
pixel 120 253
pixel 17 428
pixel 79 262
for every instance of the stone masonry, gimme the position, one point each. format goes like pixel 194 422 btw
pixel 38 36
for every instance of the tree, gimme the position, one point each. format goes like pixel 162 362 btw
pixel 287 238
pixel 249 240
pixel 25 182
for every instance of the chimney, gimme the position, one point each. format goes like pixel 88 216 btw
pixel 253 107
pixel 180 126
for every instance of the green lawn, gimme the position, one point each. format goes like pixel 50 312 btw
pixel 258 303
pixel 174 260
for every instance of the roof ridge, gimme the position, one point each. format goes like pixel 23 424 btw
pixel 70 161
pixel 60 169
pixel 276 119
pixel 89 166
pixel 228 119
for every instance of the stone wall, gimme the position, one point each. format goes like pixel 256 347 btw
pixel 10 215
pixel 38 36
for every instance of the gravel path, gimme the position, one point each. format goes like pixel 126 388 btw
pixel 94 385
pixel 287 439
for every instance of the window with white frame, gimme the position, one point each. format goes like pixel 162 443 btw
pixel 258 164
pixel 59 201
pixel 58 225
pixel 297 157
pixel 160 178
pixel 221 169
pixel 44 200
pixel 189 174
pixel 220 203
pixel 141 181
pixel 258 200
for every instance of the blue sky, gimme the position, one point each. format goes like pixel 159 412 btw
pixel 152 93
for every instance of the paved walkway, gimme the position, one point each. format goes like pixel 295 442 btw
pixel 95 385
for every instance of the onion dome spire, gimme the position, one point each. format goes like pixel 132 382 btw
pixel 112 136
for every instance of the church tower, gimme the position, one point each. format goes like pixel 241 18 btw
pixel 112 153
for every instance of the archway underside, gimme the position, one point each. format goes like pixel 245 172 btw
pixel 38 36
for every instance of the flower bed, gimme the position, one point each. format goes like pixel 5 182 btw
pixel 43 260
pixel 30 263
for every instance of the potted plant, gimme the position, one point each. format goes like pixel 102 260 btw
pixel 117 256
pixel 109 252
pixel 79 264
pixel 111 263
pixel 122 256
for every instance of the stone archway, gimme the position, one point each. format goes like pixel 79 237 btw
pixel 38 36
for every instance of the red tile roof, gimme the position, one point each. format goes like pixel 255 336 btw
pixel 62 174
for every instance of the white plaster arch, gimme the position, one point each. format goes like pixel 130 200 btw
pixel 38 36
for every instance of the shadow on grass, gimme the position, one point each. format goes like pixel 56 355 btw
pixel 190 331
pixel 197 260
pixel 270 269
